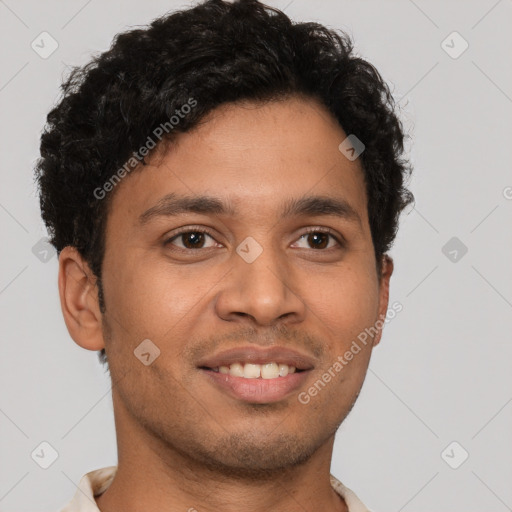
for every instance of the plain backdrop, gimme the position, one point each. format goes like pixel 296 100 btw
pixel 439 384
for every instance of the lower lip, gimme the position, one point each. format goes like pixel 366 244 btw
pixel 258 391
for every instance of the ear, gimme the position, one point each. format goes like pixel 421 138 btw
pixel 387 270
pixel 79 300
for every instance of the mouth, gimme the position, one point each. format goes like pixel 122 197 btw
pixel 256 374
pixel 255 383
pixel 267 371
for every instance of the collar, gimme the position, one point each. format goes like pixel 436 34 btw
pixel 96 482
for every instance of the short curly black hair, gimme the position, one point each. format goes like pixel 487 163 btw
pixel 216 52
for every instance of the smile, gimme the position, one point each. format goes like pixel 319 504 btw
pixel 256 389
pixel 257 371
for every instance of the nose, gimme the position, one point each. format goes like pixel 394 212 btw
pixel 263 292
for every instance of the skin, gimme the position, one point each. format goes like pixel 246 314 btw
pixel 182 442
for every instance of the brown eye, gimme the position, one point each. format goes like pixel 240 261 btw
pixel 319 239
pixel 193 240
pixel 189 239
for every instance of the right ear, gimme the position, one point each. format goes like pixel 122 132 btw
pixel 79 300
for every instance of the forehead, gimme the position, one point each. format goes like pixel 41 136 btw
pixel 252 157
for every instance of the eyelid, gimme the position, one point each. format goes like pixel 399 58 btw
pixel 190 229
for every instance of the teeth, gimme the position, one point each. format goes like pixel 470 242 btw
pixel 284 370
pixel 269 371
pixel 237 370
pixel 256 371
pixel 252 371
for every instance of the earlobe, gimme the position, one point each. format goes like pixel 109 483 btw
pixel 79 300
pixel 387 271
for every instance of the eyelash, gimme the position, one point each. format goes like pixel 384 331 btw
pixel 194 229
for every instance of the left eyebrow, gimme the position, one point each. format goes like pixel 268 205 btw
pixel 173 204
pixel 314 206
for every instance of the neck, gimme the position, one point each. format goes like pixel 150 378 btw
pixel 162 478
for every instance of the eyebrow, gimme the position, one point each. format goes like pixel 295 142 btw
pixel 173 204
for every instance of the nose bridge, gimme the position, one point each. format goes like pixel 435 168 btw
pixel 259 285
pixel 263 275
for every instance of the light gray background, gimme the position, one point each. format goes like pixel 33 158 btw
pixel 442 372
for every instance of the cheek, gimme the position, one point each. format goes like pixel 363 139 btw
pixel 159 301
pixel 344 310
pixel 345 303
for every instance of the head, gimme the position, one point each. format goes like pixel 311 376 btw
pixel 238 105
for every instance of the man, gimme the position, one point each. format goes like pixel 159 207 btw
pixel 222 188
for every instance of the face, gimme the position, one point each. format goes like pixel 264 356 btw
pixel 236 272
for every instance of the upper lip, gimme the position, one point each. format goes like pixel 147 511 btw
pixel 259 356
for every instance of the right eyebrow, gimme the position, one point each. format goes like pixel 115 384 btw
pixel 172 204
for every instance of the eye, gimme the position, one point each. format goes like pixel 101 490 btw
pixel 190 238
pixel 194 238
pixel 319 238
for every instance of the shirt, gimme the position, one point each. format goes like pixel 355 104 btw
pixel 96 482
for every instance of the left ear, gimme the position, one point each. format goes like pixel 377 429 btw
pixel 387 270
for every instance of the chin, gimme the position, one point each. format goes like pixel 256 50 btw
pixel 245 456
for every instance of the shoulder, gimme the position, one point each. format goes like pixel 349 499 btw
pixel 353 502
pixel 91 484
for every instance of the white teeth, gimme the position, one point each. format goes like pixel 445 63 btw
pixel 283 370
pixel 237 370
pixel 255 371
pixel 269 371
pixel 252 371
